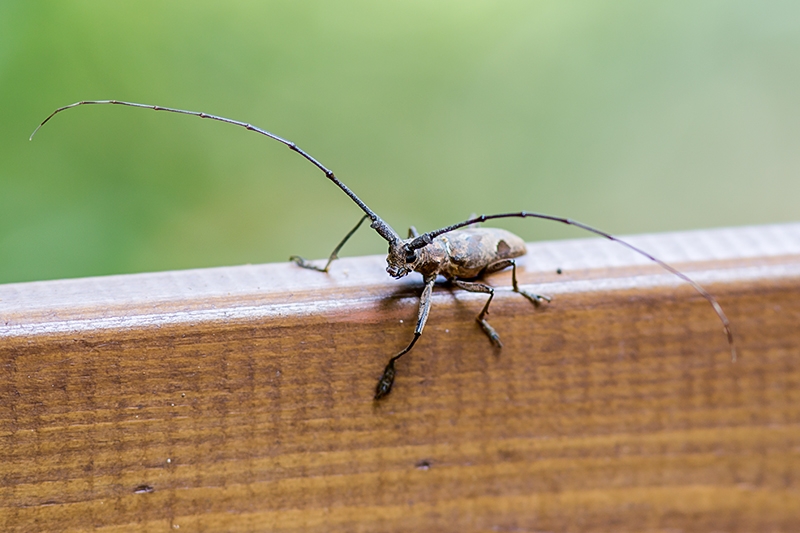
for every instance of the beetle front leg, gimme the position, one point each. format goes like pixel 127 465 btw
pixel 334 255
pixel 384 386
pixel 474 286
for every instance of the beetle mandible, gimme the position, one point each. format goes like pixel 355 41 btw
pixel 461 253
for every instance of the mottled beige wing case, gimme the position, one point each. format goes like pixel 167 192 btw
pixel 473 249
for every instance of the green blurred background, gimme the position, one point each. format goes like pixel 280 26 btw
pixel 631 116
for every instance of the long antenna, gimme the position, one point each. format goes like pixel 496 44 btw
pixel 383 229
pixel 426 238
pixel 386 231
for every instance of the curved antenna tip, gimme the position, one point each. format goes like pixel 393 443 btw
pixel 39 127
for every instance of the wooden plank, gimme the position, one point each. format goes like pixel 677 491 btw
pixel 240 399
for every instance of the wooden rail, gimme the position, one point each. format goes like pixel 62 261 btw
pixel 240 399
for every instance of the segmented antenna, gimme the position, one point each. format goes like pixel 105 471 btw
pixel 386 231
pixel 426 238
pixel 383 229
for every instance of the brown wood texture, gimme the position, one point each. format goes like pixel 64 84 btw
pixel 240 399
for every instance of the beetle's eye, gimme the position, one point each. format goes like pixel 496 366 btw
pixel 411 256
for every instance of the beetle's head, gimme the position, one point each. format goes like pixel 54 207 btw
pixel 402 259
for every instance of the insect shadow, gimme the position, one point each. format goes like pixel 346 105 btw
pixel 461 253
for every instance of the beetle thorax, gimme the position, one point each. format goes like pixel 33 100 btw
pixel 428 260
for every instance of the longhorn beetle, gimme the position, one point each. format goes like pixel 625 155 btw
pixel 459 253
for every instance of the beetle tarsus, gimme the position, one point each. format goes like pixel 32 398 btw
pixel 384 386
pixel 299 261
pixel 536 299
pixel 490 332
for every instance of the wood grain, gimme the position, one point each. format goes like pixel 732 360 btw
pixel 240 399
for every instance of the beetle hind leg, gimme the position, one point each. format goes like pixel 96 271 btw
pixel 473 286
pixel 536 299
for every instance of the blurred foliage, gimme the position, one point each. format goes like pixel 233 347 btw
pixel 631 116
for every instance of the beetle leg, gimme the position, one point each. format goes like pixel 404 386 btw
pixel 474 286
pixel 334 255
pixel 387 379
pixel 536 299
pixel 412 232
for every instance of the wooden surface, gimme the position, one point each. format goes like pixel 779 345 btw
pixel 240 399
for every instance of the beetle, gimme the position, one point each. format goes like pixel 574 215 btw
pixel 461 253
